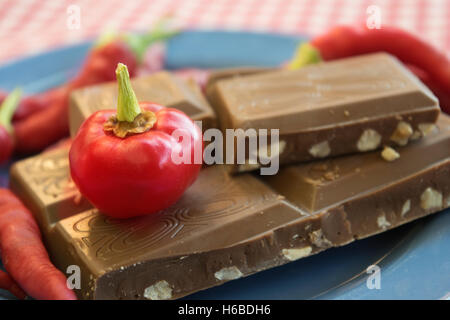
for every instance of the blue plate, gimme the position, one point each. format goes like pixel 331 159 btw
pixel 414 259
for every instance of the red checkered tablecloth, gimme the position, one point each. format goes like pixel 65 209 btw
pixel 30 26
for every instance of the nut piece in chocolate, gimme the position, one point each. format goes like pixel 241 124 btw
pixel 373 194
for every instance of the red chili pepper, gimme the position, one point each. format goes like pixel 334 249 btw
pixel 123 163
pixel 6 130
pixel 51 123
pixel 444 96
pixel 100 63
pixel 129 50
pixel 50 115
pixel 34 103
pixel 44 128
pixel 98 67
pixel 23 254
pixel 345 41
pixel 7 283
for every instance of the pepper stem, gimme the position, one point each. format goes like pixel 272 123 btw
pixel 8 107
pixel 305 54
pixel 127 104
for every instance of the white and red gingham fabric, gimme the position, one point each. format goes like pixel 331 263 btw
pixel 30 26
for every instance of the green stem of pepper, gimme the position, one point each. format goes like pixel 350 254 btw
pixel 8 107
pixel 305 54
pixel 127 103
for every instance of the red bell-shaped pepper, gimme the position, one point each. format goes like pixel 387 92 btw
pixel 122 160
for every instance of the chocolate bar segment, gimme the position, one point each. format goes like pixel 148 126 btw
pixel 162 87
pixel 227 73
pixel 188 247
pixel 44 184
pixel 226 227
pixel 221 229
pixel 345 106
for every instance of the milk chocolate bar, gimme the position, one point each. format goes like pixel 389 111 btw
pixel 220 230
pixel 226 227
pixel 226 73
pixel 162 87
pixel 333 108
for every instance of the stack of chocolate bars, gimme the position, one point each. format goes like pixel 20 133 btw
pixel 362 149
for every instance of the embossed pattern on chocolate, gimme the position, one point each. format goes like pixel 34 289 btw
pixel 49 174
pixel 197 217
pixel 48 179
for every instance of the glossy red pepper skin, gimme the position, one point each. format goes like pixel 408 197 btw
pixel 135 175
pixel 6 145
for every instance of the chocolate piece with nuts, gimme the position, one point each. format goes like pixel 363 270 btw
pixel 372 194
pixel 345 106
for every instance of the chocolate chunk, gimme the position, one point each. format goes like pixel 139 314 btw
pixel 161 87
pixel 345 106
